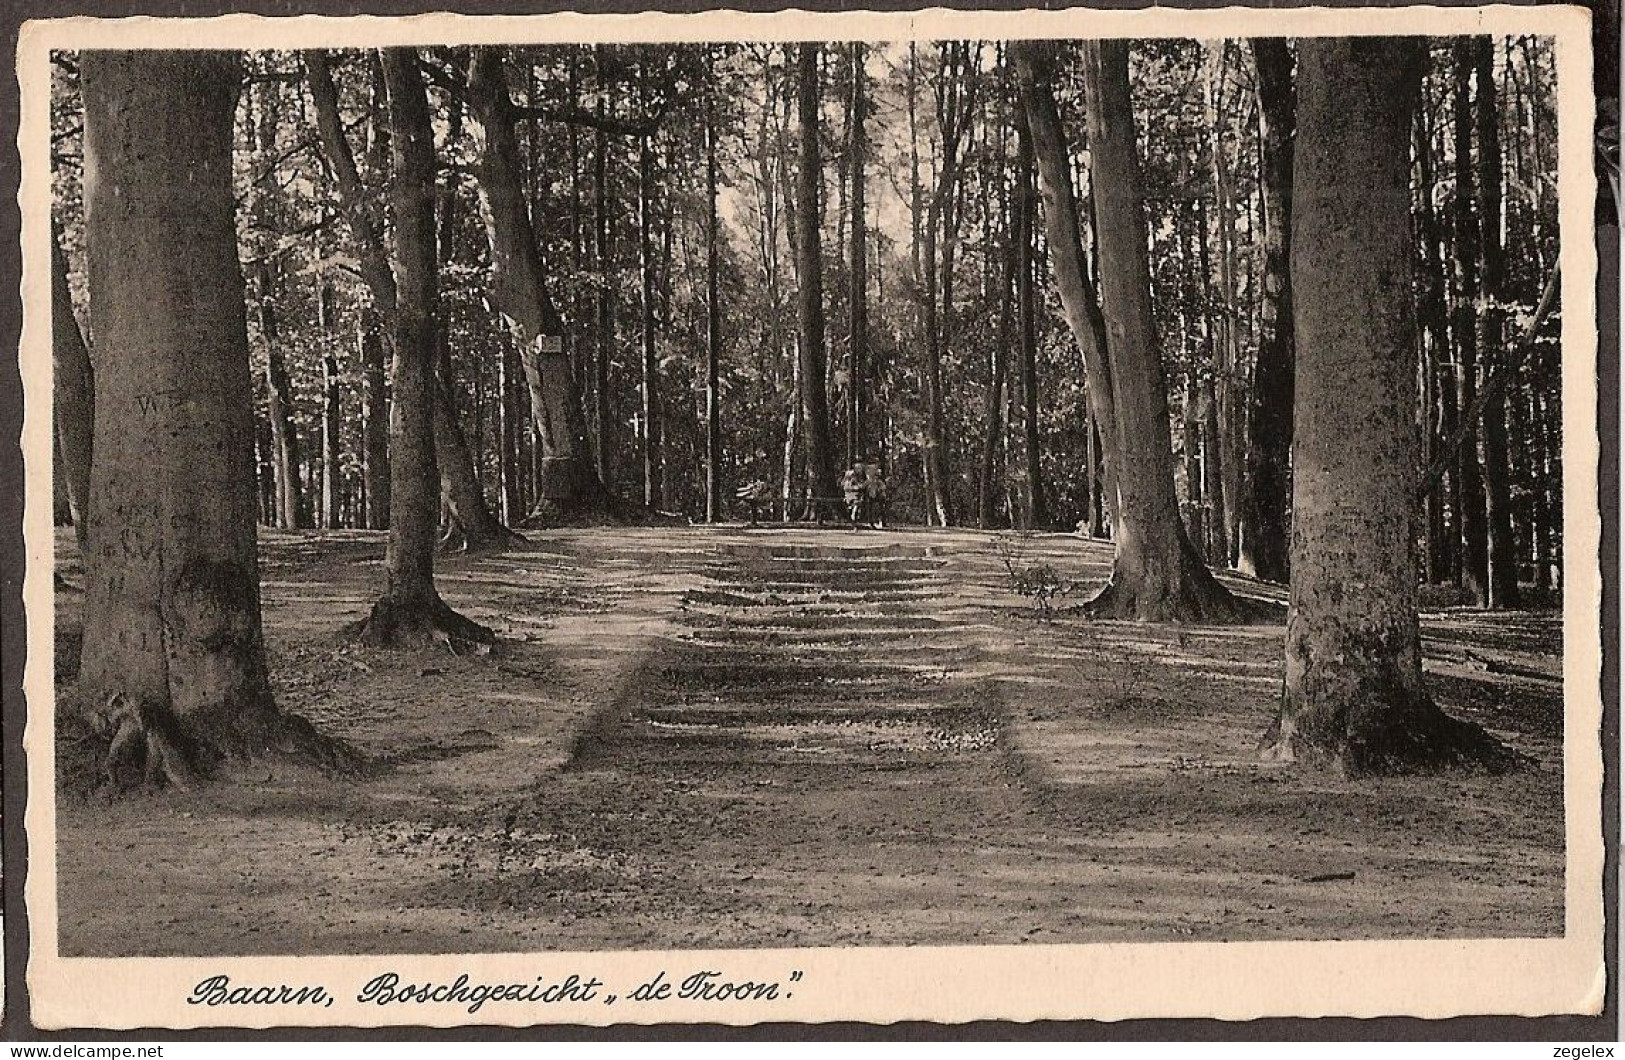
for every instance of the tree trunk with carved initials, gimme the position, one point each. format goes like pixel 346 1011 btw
pixel 173 674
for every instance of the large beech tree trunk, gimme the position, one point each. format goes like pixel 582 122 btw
pixel 1263 549
pixel 570 488
pixel 72 393
pixel 1354 697
pixel 410 612
pixel 1156 574
pixel 173 666
pixel 810 303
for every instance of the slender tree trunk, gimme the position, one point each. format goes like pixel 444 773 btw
pixel 73 394
pixel 1503 549
pixel 987 479
pixel 1156 574
pixel 1215 454
pixel 331 417
pixel 409 612
pixel 1192 414
pixel 1443 556
pixel 814 397
pixel 918 223
pixel 792 435
pixel 649 377
pixel 1466 251
pixel 284 435
pixel 713 318
pixel 1544 507
pixel 509 417
pixel 1073 282
pixel 1225 485
pixel 858 296
pixel 328 485
pixel 367 235
pixel 1263 549
pixel 1032 465
pixel 173 670
pixel 285 439
pixel 1354 697
pixel 471 518
pixel 570 488
pixel 374 420
pixel 604 254
pixel 480 529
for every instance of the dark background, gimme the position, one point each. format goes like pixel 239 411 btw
pixel 13 634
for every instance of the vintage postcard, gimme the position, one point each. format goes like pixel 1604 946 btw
pixel 797 517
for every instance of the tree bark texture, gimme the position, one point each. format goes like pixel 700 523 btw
pixel 1493 355
pixel 713 321
pixel 1263 550
pixel 858 296
pixel 1156 574
pixel 73 393
pixel 409 612
pixel 810 303
pixel 570 488
pixel 173 668
pixel 1354 698
pixel 1464 324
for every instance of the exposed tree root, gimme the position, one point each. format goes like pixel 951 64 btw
pixel 493 538
pixel 1191 595
pixel 1380 741
pixel 393 623
pixel 145 745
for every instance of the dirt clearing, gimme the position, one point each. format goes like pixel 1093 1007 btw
pixel 732 738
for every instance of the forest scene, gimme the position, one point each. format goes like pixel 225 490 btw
pixel 610 496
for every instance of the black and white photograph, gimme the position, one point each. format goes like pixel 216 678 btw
pixel 736 518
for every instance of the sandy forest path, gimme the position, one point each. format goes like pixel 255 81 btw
pixel 726 738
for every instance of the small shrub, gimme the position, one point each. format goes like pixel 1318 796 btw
pixel 1039 582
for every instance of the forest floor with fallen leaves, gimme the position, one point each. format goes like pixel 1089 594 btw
pixel 732 738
